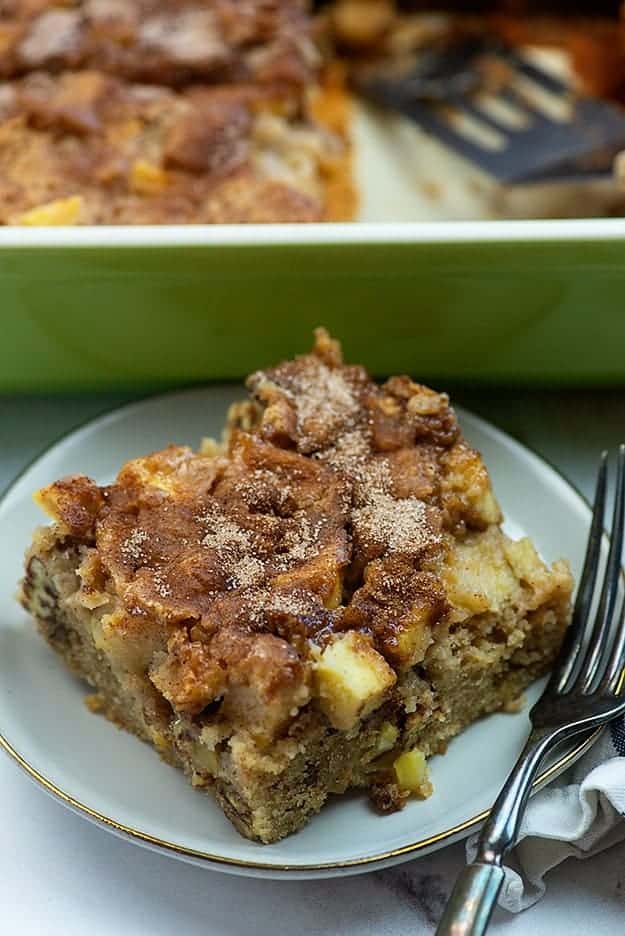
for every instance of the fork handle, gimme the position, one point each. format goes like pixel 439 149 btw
pixel 476 891
pixel 472 901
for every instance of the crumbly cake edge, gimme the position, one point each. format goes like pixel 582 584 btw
pixel 329 761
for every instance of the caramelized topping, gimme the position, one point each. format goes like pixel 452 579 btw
pixel 151 154
pixel 333 502
pixel 213 139
pixel 74 502
pixel 168 41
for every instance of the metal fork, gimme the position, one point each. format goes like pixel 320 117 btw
pixel 584 692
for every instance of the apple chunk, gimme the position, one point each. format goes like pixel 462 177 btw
pixel 351 679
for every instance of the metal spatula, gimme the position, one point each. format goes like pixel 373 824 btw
pixel 502 112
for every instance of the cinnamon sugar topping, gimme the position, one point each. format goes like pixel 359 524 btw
pixel 282 532
pixel 223 533
pixel 263 602
pixel 132 547
pixel 323 398
pixel 352 455
pixel 161 586
pixel 395 525
pixel 248 571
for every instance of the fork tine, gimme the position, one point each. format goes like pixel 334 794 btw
pixel 595 661
pixel 616 662
pixel 570 654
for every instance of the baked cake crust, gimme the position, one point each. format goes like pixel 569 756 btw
pixel 264 42
pixel 87 148
pixel 169 112
pixel 318 603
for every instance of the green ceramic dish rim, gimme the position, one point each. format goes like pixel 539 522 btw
pixel 255 235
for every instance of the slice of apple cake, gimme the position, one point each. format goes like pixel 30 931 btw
pixel 319 603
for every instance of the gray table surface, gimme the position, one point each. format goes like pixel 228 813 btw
pixel 61 875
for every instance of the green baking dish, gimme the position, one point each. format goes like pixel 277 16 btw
pixel 512 301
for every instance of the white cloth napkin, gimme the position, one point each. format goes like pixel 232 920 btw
pixel 579 815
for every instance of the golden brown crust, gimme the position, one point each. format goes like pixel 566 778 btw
pixel 194 527
pixel 233 127
pixel 138 154
pixel 319 401
pixel 395 600
pixel 75 503
pixel 245 200
pixel 163 41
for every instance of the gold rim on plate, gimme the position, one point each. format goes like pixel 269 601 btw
pixel 206 857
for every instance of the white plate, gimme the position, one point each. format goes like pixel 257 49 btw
pixel 111 778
